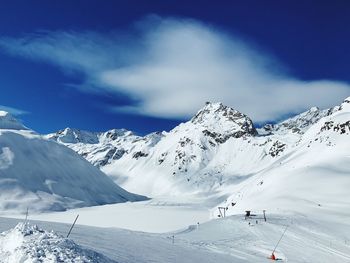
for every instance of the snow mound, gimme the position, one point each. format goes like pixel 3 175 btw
pixel 43 175
pixel 7 121
pixel 30 244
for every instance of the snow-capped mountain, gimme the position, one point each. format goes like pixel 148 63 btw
pixel 44 175
pixel 102 148
pixel 218 148
pixel 177 154
pixel 298 124
pixel 313 177
pixel 296 170
pixel 7 121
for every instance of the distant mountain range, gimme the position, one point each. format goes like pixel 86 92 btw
pixel 220 154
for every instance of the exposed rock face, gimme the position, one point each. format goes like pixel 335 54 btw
pixel 342 128
pixel 277 148
pixel 221 122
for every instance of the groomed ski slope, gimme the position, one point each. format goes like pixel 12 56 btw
pixel 232 239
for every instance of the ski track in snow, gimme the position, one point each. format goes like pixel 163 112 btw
pixel 230 239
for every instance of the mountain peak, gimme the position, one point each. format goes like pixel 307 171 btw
pixel 216 110
pixel 313 109
pixel 7 121
pixel 71 135
pixel 219 119
pixel 297 124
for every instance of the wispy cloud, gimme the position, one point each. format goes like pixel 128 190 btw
pixel 172 66
pixel 13 111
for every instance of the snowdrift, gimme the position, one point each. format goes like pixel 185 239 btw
pixel 30 244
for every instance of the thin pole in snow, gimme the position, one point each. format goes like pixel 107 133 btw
pixel 70 230
pixel 279 240
pixel 224 209
pixel 26 216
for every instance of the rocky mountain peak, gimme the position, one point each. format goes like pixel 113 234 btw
pixel 215 111
pixel 115 134
pixel 313 109
pixel 218 119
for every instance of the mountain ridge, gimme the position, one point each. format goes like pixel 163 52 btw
pixel 219 146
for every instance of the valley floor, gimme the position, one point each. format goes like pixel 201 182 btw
pixel 311 238
pixel 156 215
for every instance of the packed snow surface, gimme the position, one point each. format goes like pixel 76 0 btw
pixel 156 215
pixel 231 239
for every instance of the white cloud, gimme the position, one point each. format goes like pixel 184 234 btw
pixel 172 66
pixel 12 110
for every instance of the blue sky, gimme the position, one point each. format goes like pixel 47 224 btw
pixel 148 65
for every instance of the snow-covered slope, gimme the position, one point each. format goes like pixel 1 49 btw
pixel 208 156
pixel 308 239
pixel 43 175
pixel 298 124
pixel 166 162
pixel 297 170
pixel 313 177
